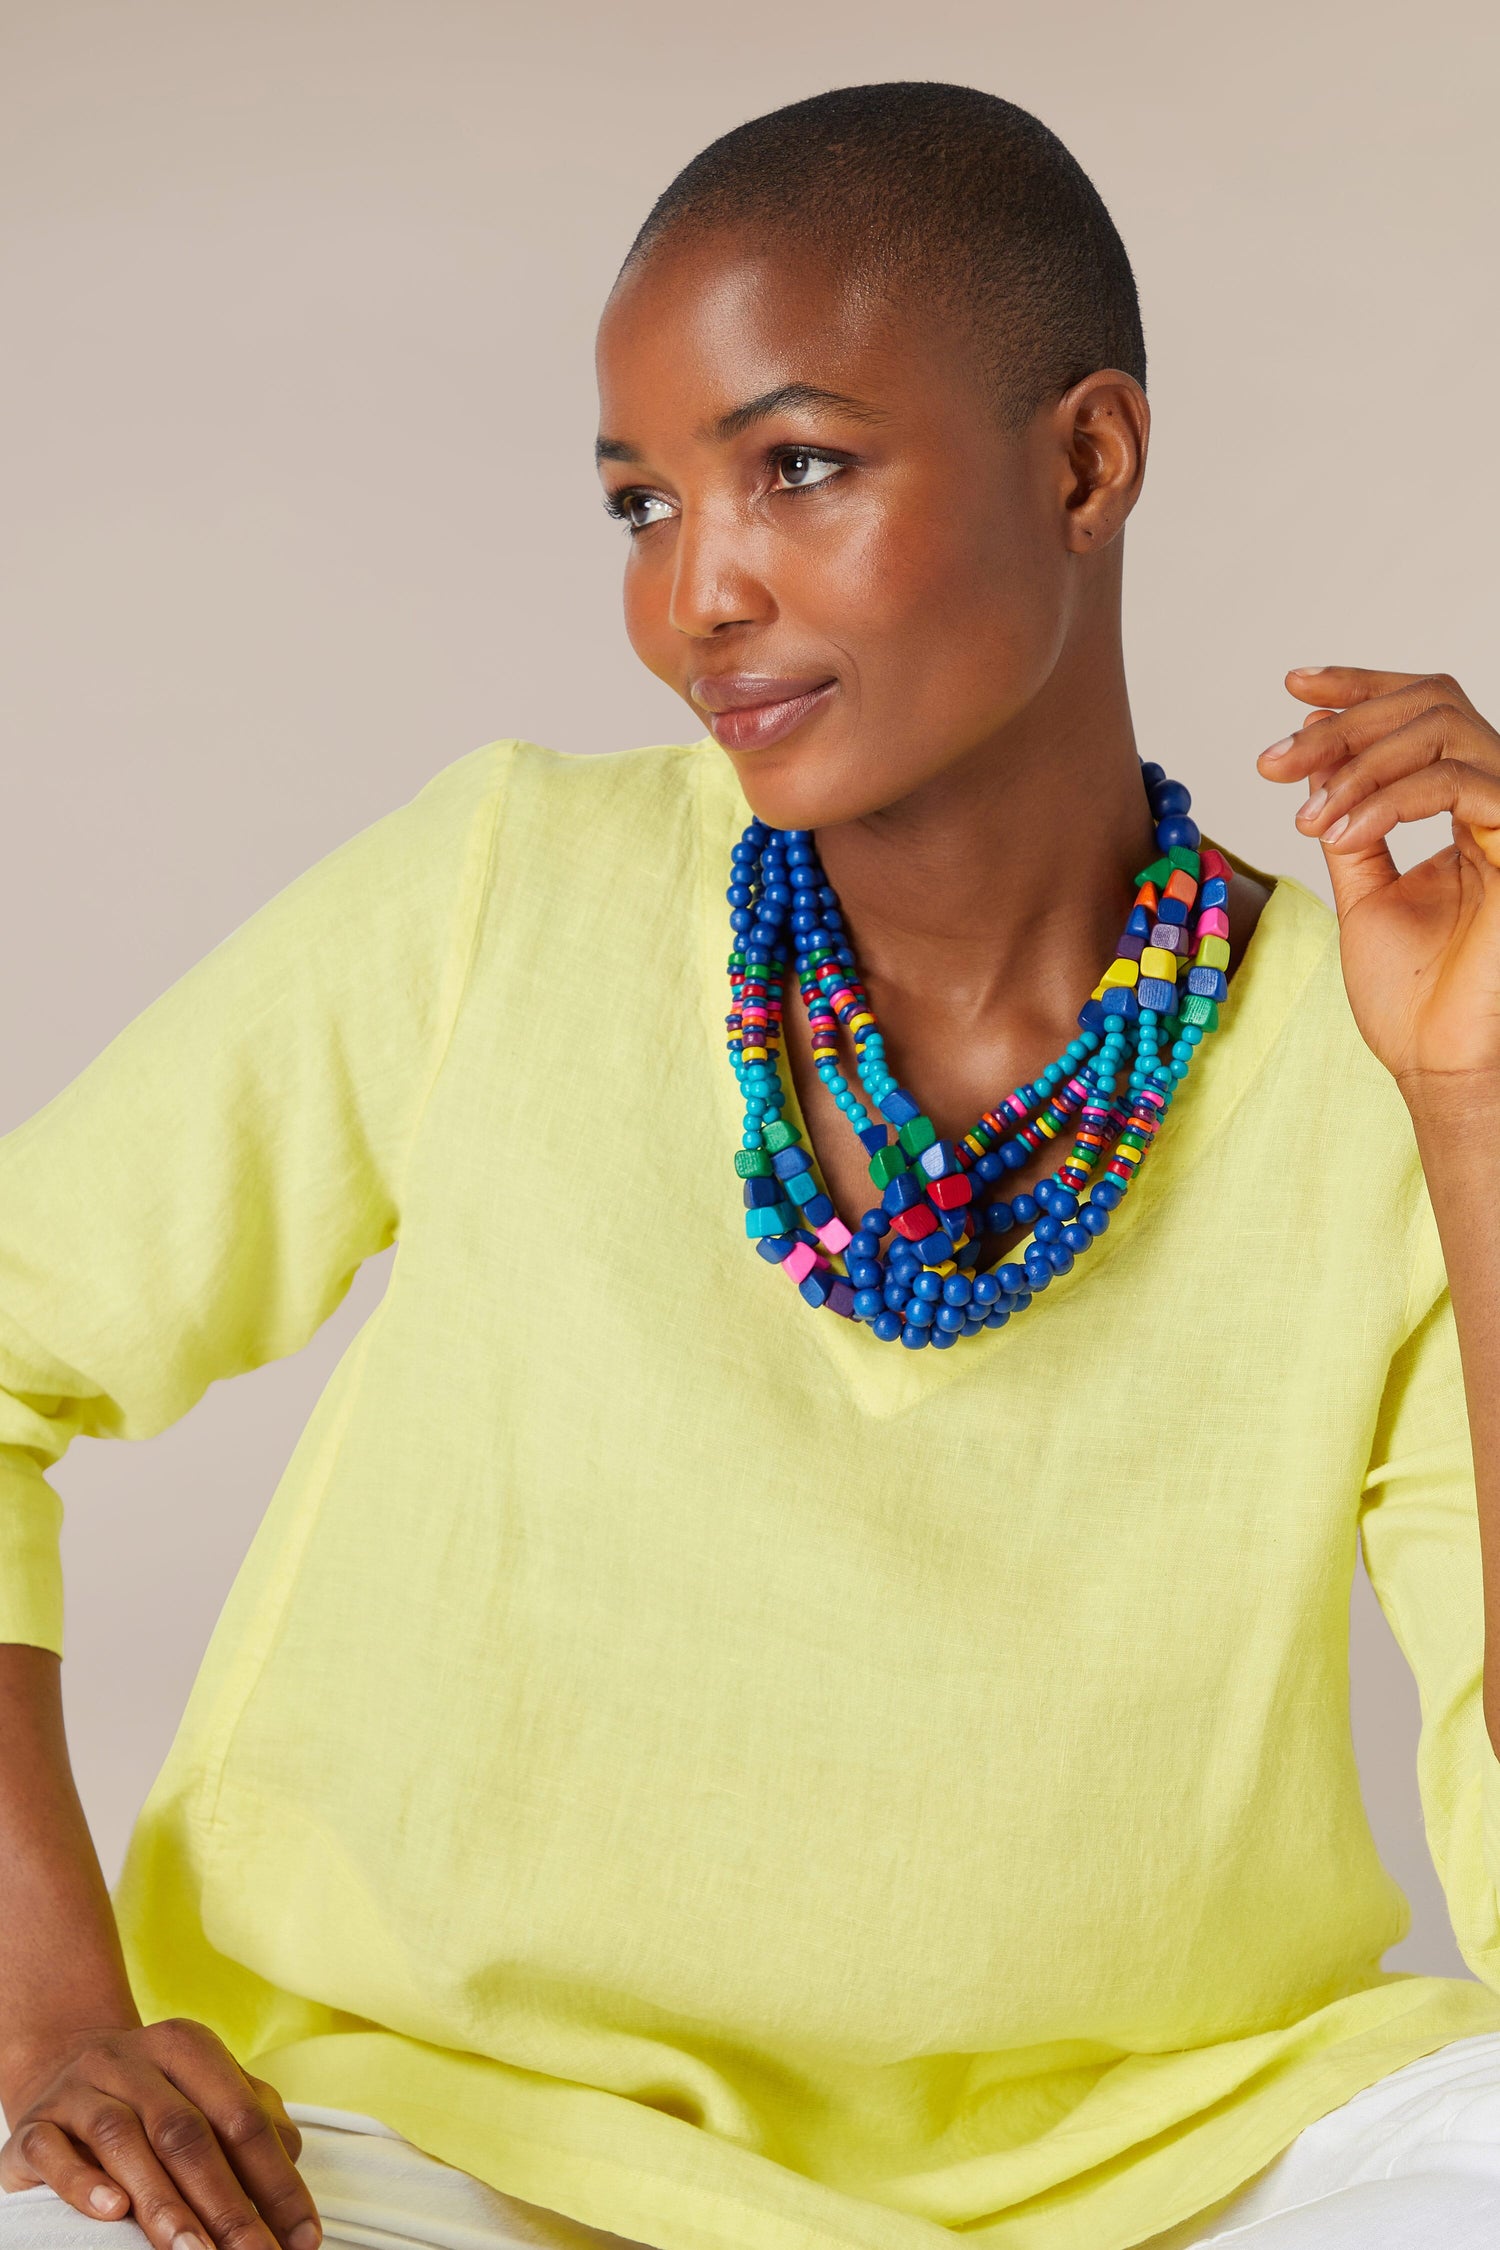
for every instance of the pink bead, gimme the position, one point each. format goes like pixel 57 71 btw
pixel 1214 863
pixel 799 1261
pixel 835 1236
pixel 1212 922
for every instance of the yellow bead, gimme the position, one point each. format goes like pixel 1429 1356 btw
pixel 1122 972
pixel 1157 962
pixel 1213 953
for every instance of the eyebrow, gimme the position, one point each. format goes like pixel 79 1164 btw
pixel 740 418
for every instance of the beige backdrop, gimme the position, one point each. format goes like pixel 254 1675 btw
pixel 300 506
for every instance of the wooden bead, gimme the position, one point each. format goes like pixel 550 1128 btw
pixel 952 1192
pixel 916 1223
pixel 1213 953
pixel 886 1163
pixel 1156 962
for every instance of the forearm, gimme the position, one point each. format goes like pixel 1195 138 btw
pixel 61 1968
pixel 1457 1123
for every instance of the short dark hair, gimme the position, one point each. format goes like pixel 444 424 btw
pixel 944 189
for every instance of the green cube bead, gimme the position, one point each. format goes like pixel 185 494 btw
pixel 920 1133
pixel 1198 1008
pixel 751 1163
pixel 886 1163
pixel 779 1135
pixel 1158 873
pixel 1188 861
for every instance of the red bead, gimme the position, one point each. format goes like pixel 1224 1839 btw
pixel 952 1191
pixel 916 1223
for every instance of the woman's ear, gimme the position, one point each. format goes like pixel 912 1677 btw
pixel 1101 428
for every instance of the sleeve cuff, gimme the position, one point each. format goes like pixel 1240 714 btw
pixel 31 1591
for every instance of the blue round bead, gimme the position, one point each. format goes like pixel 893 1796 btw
pixel 990 1166
pixel 895 1294
pixel 863 1244
pixel 1076 1235
pixel 1094 1217
pixel 1048 1228
pixel 914 1338
pixel 986 1288
pixel 957 1289
pixel 876 1223
pixel 1177 834
pixel 919 1313
pixel 999 1316
pixel 950 1317
pixel 868 1303
pixel 1168 797
pixel 1023 1210
pixel 928 1286
pixel 1061 1257
pixel 887 1327
pixel 1011 1278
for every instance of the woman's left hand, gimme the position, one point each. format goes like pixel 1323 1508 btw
pixel 1420 951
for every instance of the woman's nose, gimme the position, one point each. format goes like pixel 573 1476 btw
pixel 713 581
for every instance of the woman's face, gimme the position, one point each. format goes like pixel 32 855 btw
pixel 839 557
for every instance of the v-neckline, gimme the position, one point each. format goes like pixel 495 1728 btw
pixel 1289 939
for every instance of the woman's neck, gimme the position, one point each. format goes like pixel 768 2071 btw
pixel 992 898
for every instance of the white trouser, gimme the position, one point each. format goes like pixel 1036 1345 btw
pixel 1412 2163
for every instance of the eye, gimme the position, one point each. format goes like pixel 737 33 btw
pixel 633 507
pixel 802 468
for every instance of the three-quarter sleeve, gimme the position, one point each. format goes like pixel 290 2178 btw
pixel 1420 1530
pixel 197 1201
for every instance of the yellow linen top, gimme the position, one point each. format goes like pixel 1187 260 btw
pixel 668 1753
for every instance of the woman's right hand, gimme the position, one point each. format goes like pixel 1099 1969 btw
pixel 159 2123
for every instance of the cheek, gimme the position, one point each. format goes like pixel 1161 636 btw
pixel 953 609
pixel 647 627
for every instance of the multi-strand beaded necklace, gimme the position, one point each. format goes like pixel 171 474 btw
pixel 1110 1088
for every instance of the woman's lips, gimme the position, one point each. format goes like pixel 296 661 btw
pixel 750 726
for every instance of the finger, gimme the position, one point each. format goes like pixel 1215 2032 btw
pixel 1488 840
pixel 1351 730
pixel 288 2131
pixel 1337 789
pixel 243 2127
pixel 41 2155
pixel 1471 796
pixel 190 2151
pixel 110 2131
pixel 1343 684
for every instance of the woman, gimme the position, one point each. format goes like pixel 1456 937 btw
pixel 738 1762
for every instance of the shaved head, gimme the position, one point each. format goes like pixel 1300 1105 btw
pixel 942 193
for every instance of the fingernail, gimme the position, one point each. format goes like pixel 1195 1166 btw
pixel 305 2236
pixel 1332 835
pixel 106 2199
pixel 1277 747
pixel 186 2241
pixel 1315 803
pixel 1306 671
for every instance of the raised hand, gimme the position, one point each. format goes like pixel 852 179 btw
pixel 1420 951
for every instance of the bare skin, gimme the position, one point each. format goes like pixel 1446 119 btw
pixel 972 777
pixel 156 2122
